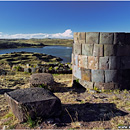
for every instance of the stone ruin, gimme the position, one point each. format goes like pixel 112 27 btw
pixel 55 68
pixel 101 60
pixel 44 80
pixel 33 103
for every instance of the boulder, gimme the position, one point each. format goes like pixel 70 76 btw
pixel 33 103
pixel 41 79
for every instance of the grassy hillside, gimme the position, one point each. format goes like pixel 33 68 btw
pixel 17 43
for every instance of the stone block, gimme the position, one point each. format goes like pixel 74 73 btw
pixel 105 86
pixel 76 39
pixel 75 60
pixel 77 49
pixel 104 63
pixel 93 62
pixel 77 72
pixel 92 37
pixel 125 62
pixel 119 38
pixel 110 76
pixel 33 102
pixel 106 38
pixel 85 62
pixel 72 58
pixel 114 62
pixel 98 50
pixel 82 61
pixel 74 78
pixel 45 79
pixel 127 38
pixel 87 49
pixel 124 79
pixel 86 84
pixel 28 70
pixel 82 37
pixel 86 74
pixel 123 50
pixel 98 76
pixel 110 50
pixel 126 74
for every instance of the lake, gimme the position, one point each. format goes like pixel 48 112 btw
pixel 59 51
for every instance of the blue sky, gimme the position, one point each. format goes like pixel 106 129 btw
pixel 42 19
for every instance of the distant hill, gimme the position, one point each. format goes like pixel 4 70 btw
pixel 18 43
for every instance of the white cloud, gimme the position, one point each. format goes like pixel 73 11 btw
pixel 66 34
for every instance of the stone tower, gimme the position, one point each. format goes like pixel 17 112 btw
pixel 101 60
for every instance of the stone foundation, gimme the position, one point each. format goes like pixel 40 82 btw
pixel 102 60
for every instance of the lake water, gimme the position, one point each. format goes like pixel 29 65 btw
pixel 59 51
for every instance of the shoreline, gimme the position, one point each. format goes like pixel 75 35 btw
pixel 19 43
pixel 36 46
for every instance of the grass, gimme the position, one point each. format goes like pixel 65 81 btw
pixel 20 43
pixel 20 80
pixel 9 121
pixel 31 123
pixel 77 81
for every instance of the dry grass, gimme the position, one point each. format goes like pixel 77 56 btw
pixel 75 108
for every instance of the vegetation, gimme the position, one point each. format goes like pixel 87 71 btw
pixel 78 107
pixel 27 58
pixel 20 43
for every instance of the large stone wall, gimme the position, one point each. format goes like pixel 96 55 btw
pixel 101 59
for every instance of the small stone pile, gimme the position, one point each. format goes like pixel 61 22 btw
pixel 49 68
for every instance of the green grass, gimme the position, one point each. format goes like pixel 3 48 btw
pixel 20 43
pixel 30 122
pixel 77 80
pixel 42 86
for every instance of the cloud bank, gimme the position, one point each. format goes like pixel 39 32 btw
pixel 66 35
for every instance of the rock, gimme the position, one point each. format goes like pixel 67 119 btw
pixel 92 91
pixel 119 38
pixel 93 62
pixel 5 127
pixel 43 70
pixel 2 72
pixel 33 70
pixel 98 76
pixel 87 49
pixel 106 38
pixel 28 70
pixel 92 37
pixel 33 103
pixel 82 37
pixel 44 79
pixel 28 65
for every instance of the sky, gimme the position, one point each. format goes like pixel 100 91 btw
pixel 51 19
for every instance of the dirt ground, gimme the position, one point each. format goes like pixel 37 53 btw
pixel 82 109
